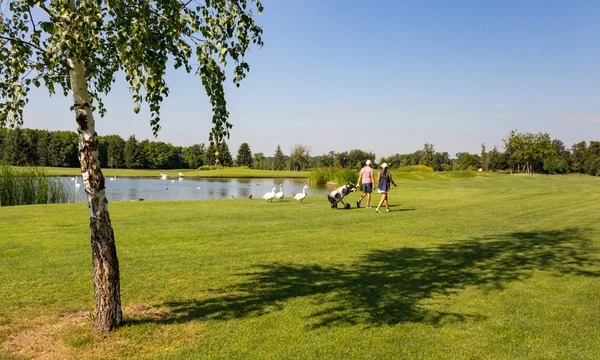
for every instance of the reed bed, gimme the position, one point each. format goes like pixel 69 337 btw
pixel 322 176
pixel 31 185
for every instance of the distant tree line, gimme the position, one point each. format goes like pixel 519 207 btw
pixel 523 152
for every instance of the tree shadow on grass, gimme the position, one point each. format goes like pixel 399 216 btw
pixel 387 287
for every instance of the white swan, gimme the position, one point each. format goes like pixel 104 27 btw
pixel 180 174
pixel 302 195
pixel 113 178
pixel 163 176
pixel 172 181
pixel 77 184
pixel 270 195
pixel 279 195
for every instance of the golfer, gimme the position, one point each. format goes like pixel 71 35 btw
pixel 384 180
pixel 366 174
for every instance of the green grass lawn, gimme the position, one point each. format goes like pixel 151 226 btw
pixel 241 172
pixel 485 267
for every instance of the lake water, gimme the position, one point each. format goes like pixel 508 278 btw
pixel 125 189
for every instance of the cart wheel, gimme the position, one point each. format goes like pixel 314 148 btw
pixel 347 206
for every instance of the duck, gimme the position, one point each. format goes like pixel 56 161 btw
pixel 279 195
pixel 301 195
pixel 249 196
pixel 270 195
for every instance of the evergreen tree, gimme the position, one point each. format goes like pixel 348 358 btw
pixel 210 157
pixel 244 156
pixel 116 151
pixel 132 153
pixel 279 159
pixel 14 147
pixel 43 148
pixel 225 157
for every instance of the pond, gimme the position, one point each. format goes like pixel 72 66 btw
pixel 125 189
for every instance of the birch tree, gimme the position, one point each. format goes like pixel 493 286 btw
pixel 79 47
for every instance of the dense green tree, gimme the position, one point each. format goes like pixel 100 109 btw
pixel 442 161
pixel 244 155
pixel 278 159
pixel 579 154
pixel 14 147
pixel 328 159
pixel 132 153
pixel 116 151
pixel 485 161
pixel 210 157
pixel 497 160
pixel 466 161
pixel 529 150
pixel 299 159
pixel 258 160
pixel 428 153
pixel 225 158
pixel 43 148
pixel 356 158
pixel 193 156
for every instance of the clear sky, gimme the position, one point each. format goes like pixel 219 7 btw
pixel 387 77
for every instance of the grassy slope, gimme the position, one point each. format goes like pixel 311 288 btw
pixel 225 172
pixel 495 266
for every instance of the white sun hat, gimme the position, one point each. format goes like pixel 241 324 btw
pixel 368 162
pixel 384 165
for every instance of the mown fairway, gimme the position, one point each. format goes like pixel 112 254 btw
pixel 485 267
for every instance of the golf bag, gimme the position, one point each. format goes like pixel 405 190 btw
pixel 338 195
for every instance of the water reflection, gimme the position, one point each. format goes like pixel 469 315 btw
pixel 125 189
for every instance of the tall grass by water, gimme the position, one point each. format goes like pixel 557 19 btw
pixel 322 176
pixel 30 185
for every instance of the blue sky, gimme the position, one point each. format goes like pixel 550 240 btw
pixel 387 77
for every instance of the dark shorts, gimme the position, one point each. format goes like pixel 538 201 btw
pixel 367 188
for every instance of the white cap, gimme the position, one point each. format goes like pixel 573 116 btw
pixel 368 162
pixel 384 165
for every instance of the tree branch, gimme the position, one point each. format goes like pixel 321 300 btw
pixel 24 43
pixel 31 18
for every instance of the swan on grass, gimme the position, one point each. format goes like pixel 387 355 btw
pixel 301 195
pixel 279 195
pixel 180 174
pixel 270 195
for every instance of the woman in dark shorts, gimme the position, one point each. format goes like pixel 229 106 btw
pixel 384 178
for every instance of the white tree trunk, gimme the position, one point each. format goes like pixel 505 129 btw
pixel 104 251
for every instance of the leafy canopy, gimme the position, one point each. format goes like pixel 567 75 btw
pixel 137 38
